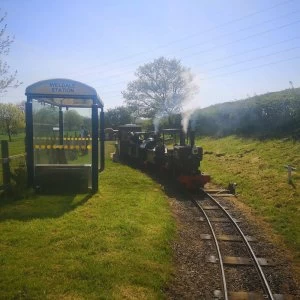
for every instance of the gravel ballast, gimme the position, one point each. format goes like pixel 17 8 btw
pixel 194 278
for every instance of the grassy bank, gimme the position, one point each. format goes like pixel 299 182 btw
pixel 258 168
pixel 114 244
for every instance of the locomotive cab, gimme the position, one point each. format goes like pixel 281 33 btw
pixel 187 159
pixel 126 147
pixel 153 150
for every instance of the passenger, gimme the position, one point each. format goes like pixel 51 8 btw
pixel 83 132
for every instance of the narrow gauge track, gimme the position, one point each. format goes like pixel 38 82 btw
pixel 265 291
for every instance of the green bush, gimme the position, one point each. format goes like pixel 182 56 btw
pixel 18 187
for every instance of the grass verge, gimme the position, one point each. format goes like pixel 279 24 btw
pixel 112 245
pixel 258 168
pixel 17 145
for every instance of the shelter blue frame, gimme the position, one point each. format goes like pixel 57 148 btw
pixel 65 93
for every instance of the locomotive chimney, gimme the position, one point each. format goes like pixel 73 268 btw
pixel 191 131
pixel 192 138
pixel 182 137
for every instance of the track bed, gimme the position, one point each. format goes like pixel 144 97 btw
pixel 194 277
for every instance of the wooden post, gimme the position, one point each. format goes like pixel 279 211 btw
pixel 289 170
pixel 5 163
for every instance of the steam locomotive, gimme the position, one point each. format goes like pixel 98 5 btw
pixel 161 152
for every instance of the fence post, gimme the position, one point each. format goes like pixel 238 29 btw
pixel 5 163
pixel 289 170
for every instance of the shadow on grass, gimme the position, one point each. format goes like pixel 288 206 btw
pixel 40 206
pixel 171 187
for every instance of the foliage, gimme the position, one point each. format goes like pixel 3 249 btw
pixel 115 117
pixel 44 119
pixel 87 123
pixel 72 120
pixel 46 115
pixel 262 182
pixel 11 119
pixel 160 88
pixel 269 115
pixel 7 79
pixel 18 186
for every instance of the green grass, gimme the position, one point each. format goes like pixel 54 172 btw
pixel 17 145
pixel 257 167
pixel 113 245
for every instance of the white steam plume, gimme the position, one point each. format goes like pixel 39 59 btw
pixel 185 117
pixel 156 122
pixel 189 96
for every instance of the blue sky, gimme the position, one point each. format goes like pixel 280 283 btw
pixel 235 48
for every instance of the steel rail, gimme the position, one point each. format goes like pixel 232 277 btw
pixel 249 249
pixel 224 285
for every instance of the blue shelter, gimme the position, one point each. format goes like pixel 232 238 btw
pixel 63 94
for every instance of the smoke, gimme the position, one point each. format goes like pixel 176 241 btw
pixel 187 107
pixel 185 117
pixel 157 119
pixel 156 122
pixel 180 101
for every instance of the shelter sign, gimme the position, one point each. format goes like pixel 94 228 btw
pixel 61 87
pixel 64 92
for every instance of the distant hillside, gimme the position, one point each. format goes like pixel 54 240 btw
pixel 274 114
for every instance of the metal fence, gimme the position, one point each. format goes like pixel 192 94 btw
pixel 10 166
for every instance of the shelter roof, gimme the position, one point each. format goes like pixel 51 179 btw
pixel 64 92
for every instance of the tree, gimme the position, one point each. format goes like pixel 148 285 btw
pixel 7 79
pixel 46 115
pixel 11 119
pixel 115 117
pixel 72 119
pixel 87 123
pixel 160 89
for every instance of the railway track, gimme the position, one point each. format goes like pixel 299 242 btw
pixel 218 218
